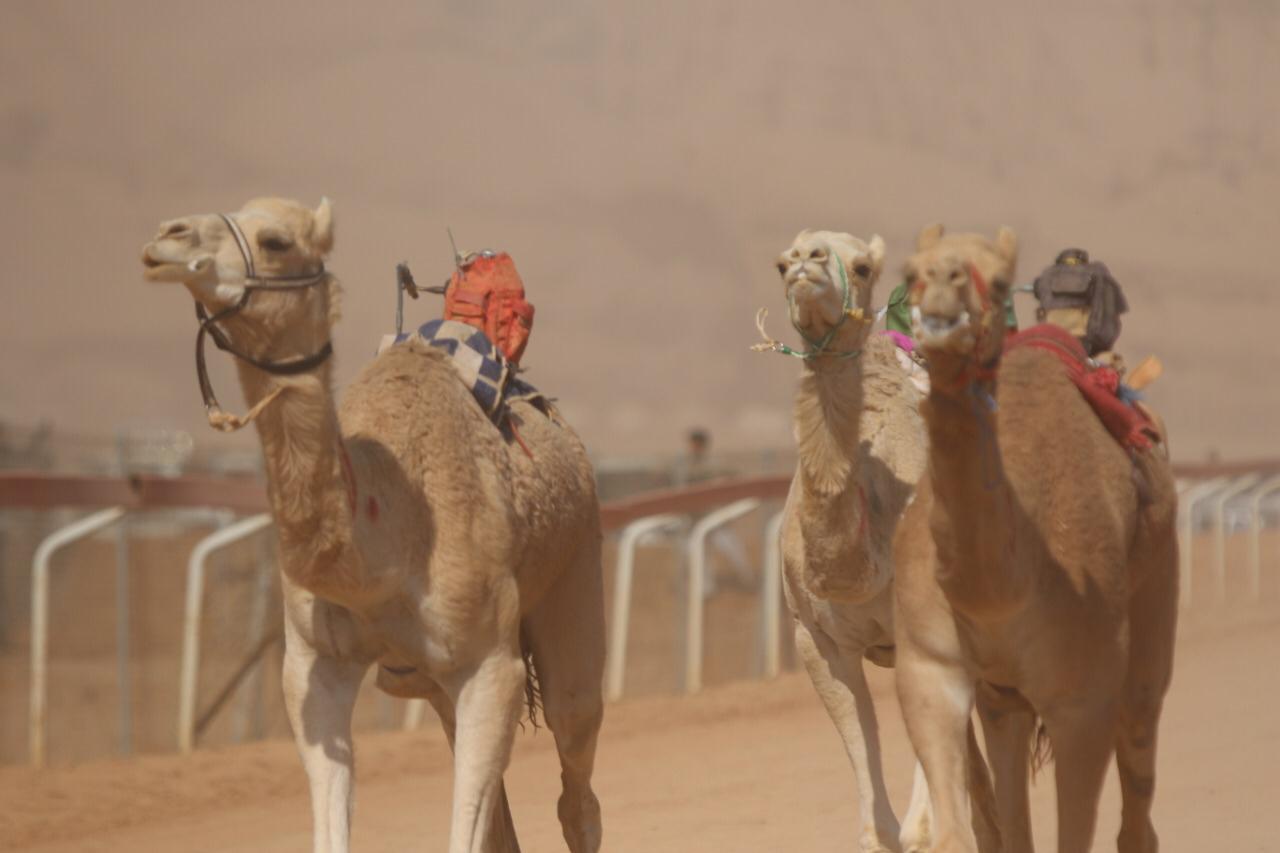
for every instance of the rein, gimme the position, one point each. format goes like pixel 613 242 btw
pixel 819 347
pixel 225 421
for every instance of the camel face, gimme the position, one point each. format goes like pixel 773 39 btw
pixel 283 238
pixel 815 271
pixel 959 285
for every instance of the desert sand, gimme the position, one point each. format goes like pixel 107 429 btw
pixel 745 767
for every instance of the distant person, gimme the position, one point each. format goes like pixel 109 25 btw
pixel 1082 296
pixel 695 467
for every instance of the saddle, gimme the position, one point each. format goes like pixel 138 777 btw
pixel 1129 424
pixel 486 372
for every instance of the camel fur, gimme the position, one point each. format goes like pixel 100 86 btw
pixel 413 537
pixel 1036 579
pixel 860 446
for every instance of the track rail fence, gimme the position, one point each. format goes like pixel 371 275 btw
pixel 1240 499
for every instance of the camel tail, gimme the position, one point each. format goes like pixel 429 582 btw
pixel 532 689
pixel 1041 754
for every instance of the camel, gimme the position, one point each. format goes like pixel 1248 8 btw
pixel 860 443
pixel 1037 572
pixel 412 535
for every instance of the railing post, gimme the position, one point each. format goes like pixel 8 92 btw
pixel 1268 488
pixel 189 676
pixel 620 623
pixel 1186 533
pixel 771 597
pixel 1237 487
pixel 54 542
pixel 697 563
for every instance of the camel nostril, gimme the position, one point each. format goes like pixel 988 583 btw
pixel 176 229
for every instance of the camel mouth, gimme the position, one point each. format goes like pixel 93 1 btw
pixel 156 267
pixel 936 331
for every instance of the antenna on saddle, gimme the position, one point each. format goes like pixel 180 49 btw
pixel 404 284
pixel 457 258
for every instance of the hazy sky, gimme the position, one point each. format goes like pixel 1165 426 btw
pixel 643 163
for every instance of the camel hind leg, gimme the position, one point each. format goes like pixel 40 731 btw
pixel 502 831
pixel 488 698
pixel 1009 730
pixel 565 635
pixel 1153 615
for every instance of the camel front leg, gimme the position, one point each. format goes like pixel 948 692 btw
pixel 502 832
pixel 936 700
pixel 488 700
pixel 320 695
pixel 915 835
pixel 842 687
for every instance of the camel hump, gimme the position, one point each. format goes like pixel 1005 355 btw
pixel 480 366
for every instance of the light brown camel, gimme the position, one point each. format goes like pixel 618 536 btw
pixel 860 443
pixel 412 535
pixel 1037 570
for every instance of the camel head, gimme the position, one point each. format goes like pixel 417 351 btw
pixel 959 284
pixel 827 277
pixel 287 244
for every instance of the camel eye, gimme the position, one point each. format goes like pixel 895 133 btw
pixel 274 242
pixel 862 271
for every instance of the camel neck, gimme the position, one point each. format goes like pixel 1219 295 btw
pixel 308 480
pixel 828 411
pixel 831 504
pixel 972 518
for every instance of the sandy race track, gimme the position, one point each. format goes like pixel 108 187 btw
pixel 748 767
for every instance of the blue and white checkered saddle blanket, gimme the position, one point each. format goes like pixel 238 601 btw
pixel 481 367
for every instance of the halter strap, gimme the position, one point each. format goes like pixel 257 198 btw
pixel 819 347
pixel 208 326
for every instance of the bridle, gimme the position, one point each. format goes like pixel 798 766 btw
pixel 253 283
pixel 821 346
pixel 986 371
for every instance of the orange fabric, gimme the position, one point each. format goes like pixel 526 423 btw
pixel 487 293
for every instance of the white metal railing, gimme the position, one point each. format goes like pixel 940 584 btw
pixel 54 542
pixel 771 598
pixel 620 622
pixel 190 674
pixel 1218 503
pixel 1186 529
pixel 696 567
pixel 1268 488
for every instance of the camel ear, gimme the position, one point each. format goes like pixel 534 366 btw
pixel 876 251
pixel 322 227
pixel 1007 243
pixel 929 237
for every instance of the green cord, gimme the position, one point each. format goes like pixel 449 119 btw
pixel 820 347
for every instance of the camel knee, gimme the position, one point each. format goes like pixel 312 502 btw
pixel 575 725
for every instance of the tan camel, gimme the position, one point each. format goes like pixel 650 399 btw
pixel 860 443
pixel 412 535
pixel 1036 571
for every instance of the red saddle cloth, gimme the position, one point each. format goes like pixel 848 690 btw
pixel 1099 385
